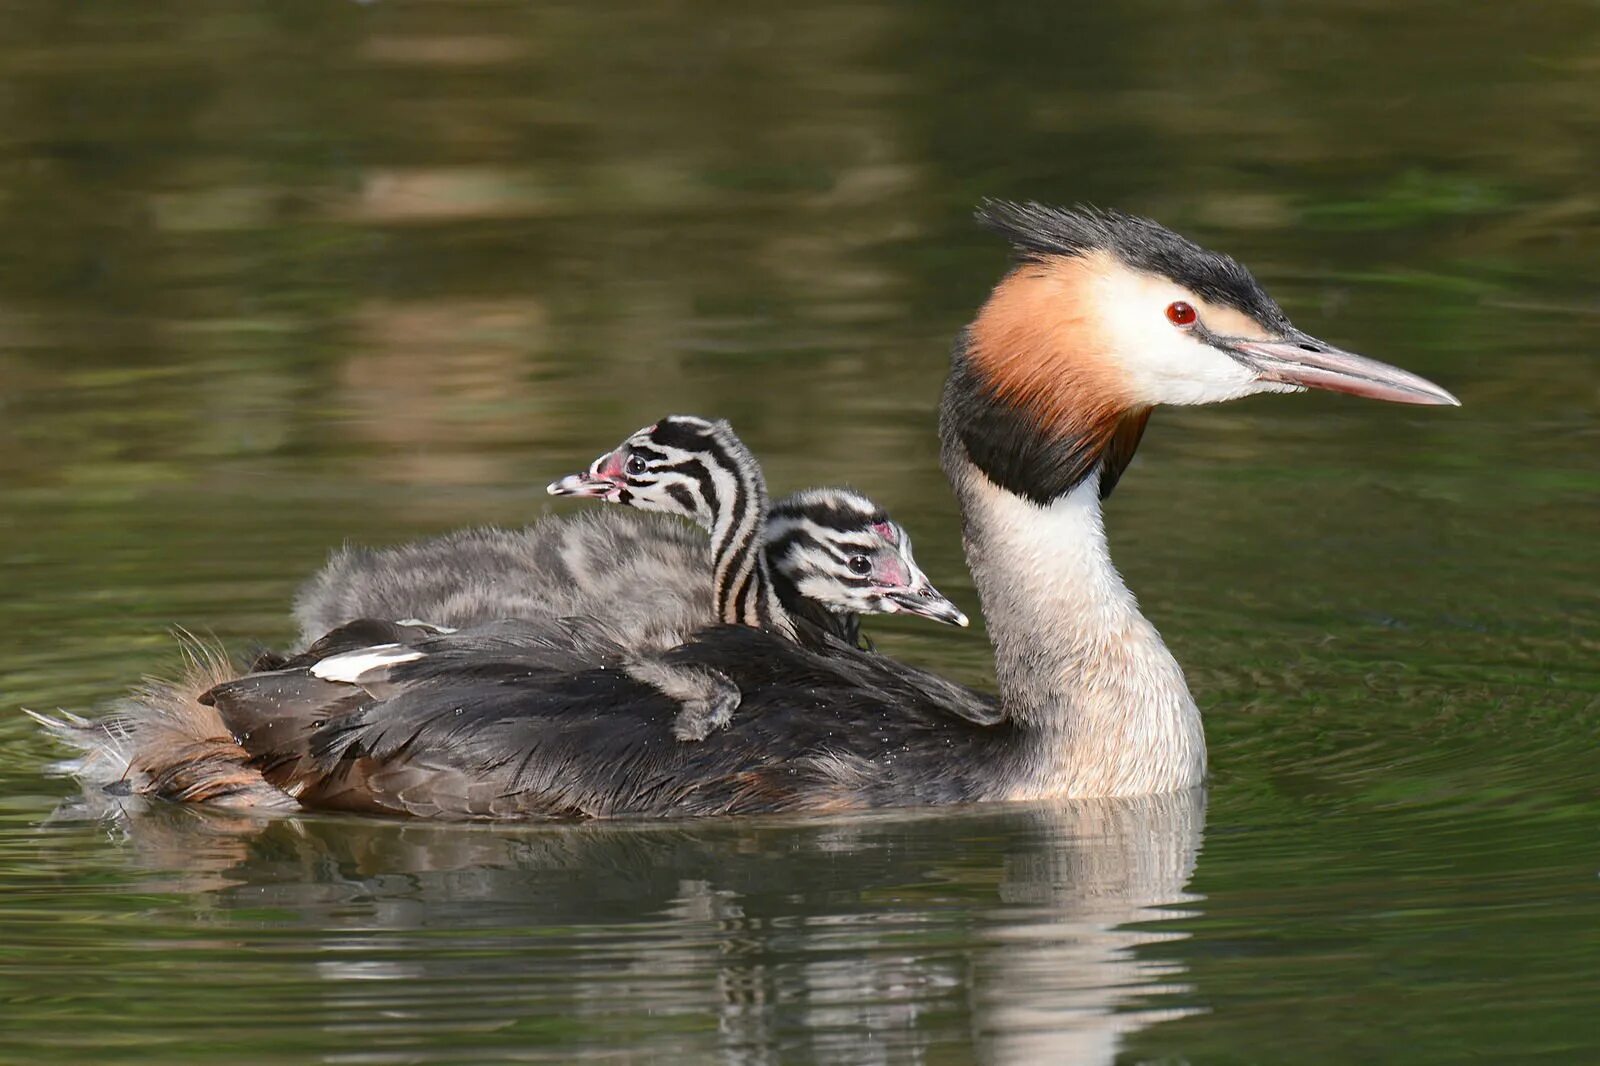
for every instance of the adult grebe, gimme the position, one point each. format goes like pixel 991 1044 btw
pixel 1104 316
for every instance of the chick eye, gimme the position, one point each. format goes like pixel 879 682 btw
pixel 636 465
pixel 1180 313
pixel 859 564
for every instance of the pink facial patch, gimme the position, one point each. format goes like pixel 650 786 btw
pixel 608 466
pixel 891 573
pixel 886 530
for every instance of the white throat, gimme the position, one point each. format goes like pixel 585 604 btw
pixel 1079 667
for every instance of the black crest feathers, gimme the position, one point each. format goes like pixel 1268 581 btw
pixel 1037 231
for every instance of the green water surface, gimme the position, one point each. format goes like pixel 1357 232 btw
pixel 277 275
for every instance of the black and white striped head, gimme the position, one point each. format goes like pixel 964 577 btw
pixel 681 465
pixel 841 550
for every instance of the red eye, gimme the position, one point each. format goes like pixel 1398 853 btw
pixel 1180 313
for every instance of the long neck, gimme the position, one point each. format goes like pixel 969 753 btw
pixel 742 589
pixel 1103 706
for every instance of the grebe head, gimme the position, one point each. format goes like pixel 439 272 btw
pixel 666 467
pixel 1168 320
pixel 842 550
pixel 1106 315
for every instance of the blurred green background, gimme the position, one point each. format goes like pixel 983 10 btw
pixel 275 276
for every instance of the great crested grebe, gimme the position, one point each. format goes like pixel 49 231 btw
pixel 1102 317
pixel 836 555
pixel 836 544
pixel 822 556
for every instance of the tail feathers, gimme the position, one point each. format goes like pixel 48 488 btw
pixel 277 716
pixel 103 745
pixel 162 741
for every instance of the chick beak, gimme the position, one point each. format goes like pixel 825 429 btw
pixel 583 486
pixel 928 602
pixel 590 484
pixel 1300 359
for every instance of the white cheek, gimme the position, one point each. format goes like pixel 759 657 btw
pixel 821 589
pixel 1170 366
pixel 1160 362
pixel 834 596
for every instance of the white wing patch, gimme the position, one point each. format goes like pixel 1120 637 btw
pixel 436 627
pixel 352 666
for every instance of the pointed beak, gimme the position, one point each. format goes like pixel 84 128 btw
pixel 1300 359
pixel 928 602
pixel 603 477
pixel 584 486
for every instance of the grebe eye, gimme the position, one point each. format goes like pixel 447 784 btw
pixel 859 564
pixel 1180 313
pixel 636 466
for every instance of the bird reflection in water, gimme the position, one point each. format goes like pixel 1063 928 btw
pixel 1021 932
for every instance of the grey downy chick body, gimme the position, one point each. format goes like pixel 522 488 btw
pixel 642 577
pixel 833 553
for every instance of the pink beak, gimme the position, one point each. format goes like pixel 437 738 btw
pixel 1301 359
pixel 595 483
